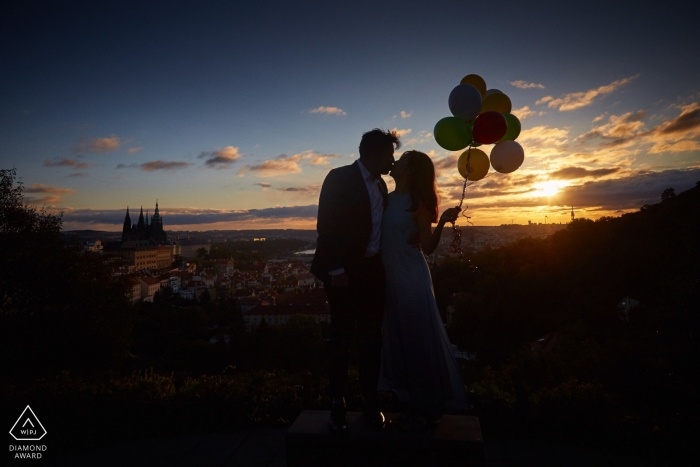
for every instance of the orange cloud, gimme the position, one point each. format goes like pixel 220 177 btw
pixel 280 165
pixel 220 159
pixel 524 112
pixel 315 158
pixel 64 162
pixel 576 100
pixel 403 132
pixel 41 188
pixel 164 165
pixel 98 145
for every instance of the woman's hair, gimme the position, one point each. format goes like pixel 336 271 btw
pixel 422 187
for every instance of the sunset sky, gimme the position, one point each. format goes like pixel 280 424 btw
pixel 232 113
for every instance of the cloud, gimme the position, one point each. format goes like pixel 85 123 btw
pixel 576 100
pixel 569 173
pixel 193 216
pixel 449 162
pixel 680 146
pixel 525 85
pixel 98 145
pixel 629 192
pixel 134 150
pixel 263 185
pixel 524 112
pixel 618 130
pixel 303 190
pixel 403 132
pixel 544 136
pixel 41 188
pixel 421 137
pixel 678 134
pixel 280 165
pixel 164 165
pixel 78 174
pixel 600 117
pixel 220 159
pixel 405 114
pixel 688 120
pixel 328 110
pixel 315 158
pixel 65 162
pixel 51 200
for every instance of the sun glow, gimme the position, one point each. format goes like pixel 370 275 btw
pixel 548 188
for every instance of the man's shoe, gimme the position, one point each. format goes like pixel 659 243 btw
pixel 339 419
pixel 374 418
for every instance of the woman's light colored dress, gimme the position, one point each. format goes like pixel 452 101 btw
pixel 417 358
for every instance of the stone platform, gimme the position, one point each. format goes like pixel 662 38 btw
pixel 456 440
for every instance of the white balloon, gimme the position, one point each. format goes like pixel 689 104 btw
pixel 507 156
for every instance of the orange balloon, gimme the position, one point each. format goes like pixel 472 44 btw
pixel 497 102
pixel 476 81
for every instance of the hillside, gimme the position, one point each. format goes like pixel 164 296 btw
pixel 618 374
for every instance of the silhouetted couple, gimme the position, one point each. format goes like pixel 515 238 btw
pixel 370 259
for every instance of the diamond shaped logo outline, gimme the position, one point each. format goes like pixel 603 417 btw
pixel 35 418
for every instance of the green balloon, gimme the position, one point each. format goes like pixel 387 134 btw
pixel 513 130
pixel 452 133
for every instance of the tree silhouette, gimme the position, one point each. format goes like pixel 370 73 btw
pixel 60 308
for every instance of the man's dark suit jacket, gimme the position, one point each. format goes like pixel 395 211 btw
pixel 344 221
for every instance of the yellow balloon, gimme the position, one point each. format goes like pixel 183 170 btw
pixel 497 102
pixel 476 81
pixel 478 164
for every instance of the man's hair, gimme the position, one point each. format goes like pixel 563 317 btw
pixel 376 140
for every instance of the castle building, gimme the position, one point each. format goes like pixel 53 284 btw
pixel 145 244
pixel 143 229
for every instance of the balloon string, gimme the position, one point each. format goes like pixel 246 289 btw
pixel 456 231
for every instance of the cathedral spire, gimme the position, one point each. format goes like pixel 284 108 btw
pixel 141 225
pixel 126 228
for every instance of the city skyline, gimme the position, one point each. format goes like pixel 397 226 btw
pixel 231 116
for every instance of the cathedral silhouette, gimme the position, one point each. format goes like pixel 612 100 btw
pixel 143 229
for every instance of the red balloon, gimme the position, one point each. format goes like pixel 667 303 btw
pixel 489 127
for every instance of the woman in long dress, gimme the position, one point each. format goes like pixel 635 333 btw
pixel 418 363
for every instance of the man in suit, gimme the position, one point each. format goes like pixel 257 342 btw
pixel 347 260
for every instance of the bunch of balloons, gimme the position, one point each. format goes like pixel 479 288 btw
pixel 480 116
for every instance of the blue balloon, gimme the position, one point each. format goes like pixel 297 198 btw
pixel 465 102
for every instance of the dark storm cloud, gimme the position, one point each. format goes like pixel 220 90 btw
pixel 569 173
pixel 629 192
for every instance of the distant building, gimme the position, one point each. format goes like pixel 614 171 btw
pixel 143 229
pixel 149 287
pixel 135 290
pixel 164 256
pixel 189 247
pixel 95 246
pixel 141 254
pixel 144 244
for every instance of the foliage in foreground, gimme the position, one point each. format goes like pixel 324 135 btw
pixel 631 378
pixel 60 309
